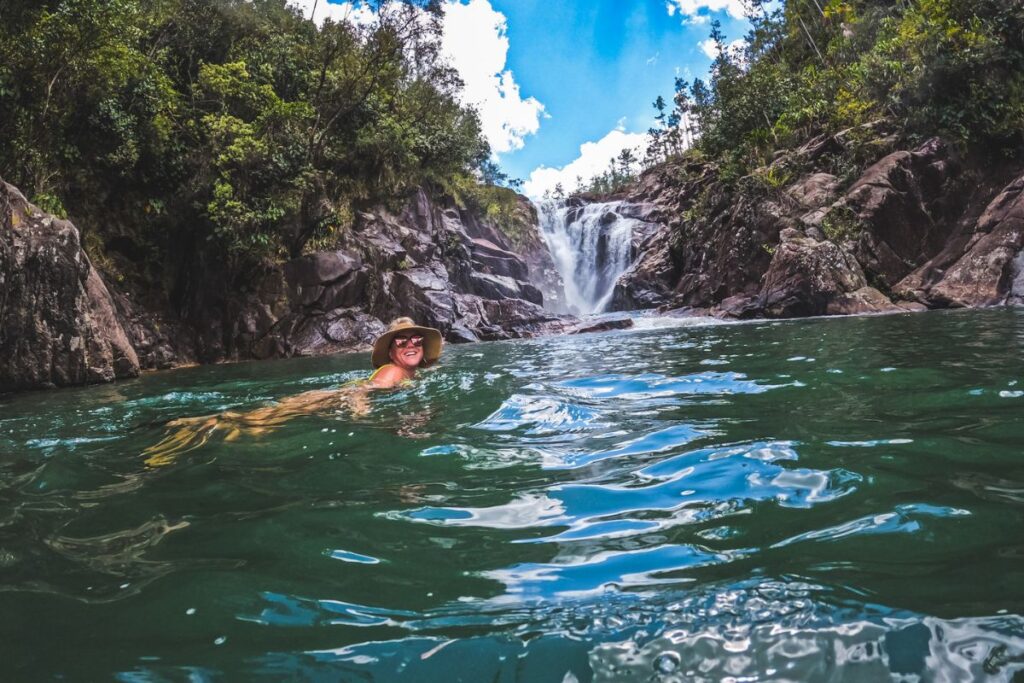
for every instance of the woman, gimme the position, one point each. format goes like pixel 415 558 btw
pixel 397 355
pixel 400 351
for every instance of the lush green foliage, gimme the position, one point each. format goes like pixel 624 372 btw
pixel 231 127
pixel 502 207
pixel 925 67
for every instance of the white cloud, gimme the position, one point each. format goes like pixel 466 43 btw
pixel 475 42
pixel 477 45
pixel 691 9
pixel 335 11
pixel 735 48
pixel 592 161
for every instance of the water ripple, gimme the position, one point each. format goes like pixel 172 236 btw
pixel 645 386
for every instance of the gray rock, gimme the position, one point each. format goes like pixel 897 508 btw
pixel 498 287
pixel 320 268
pixel 58 322
pixel 978 267
pixel 897 207
pixel 805 276
pixel 488 258
pixel 603 325
pixel 814 190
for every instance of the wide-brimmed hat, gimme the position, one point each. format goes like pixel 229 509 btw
pixel 432 342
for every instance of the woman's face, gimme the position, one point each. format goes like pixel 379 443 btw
pixel 406 351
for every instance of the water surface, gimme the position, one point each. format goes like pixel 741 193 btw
pixel 811 500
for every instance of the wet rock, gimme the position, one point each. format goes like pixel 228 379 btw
pixel 805 276
pixel 645 211
pixel 645 283
pixel 160 340
pixel 863 300
pixel 739 307
pixel 979 267
pixel 604 325
pixel 58 322
pixel 516 318
pixel 112 355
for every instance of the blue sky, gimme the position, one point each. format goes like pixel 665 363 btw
pixel 562 86
pixel 596 65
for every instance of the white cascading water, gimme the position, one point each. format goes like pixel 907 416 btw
pixel 591 247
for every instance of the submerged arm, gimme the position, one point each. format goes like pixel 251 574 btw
pixel 193 432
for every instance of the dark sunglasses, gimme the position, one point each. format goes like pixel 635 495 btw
pixel 402 342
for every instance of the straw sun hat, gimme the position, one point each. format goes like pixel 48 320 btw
pixel 431 342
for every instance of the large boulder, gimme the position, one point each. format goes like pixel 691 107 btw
pixel 343 329
pixel 327 280
pixel 58 322
pixel 979 267
pixel 714 243
pixel 805 276
pixel 422 293
pixel 480 319
pixel 498 287
pixel 491 259
pixel 645 284
pixel 897 211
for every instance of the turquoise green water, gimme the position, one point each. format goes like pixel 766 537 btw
pixel 812 500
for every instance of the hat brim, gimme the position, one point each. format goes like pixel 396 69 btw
pixel 432 345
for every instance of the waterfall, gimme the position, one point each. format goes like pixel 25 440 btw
pixel 591 246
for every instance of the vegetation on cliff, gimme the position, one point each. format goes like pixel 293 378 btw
pixel 853 156
pixel 924 67
pixel 872 68
pixel 231 130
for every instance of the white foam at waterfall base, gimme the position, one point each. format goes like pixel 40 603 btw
pixel 591 247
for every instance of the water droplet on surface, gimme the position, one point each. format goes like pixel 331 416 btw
pixel 220 640
pixel 666 663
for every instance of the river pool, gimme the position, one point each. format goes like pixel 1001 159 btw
pixel 831 499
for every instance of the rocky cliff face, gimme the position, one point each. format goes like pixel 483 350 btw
pixel 436 263
pixel 58 322
pixel 432 261
pixel 918 229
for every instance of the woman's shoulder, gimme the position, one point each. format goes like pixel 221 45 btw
pixel 387 376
